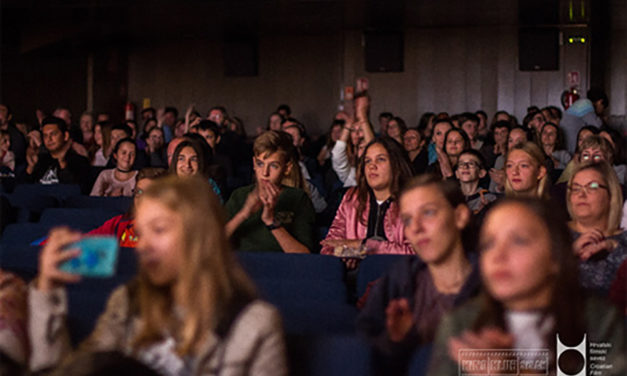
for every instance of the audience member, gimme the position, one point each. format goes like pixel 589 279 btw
pixel 594 204
pixel 525 171
pixel 368 215
pixel 118 181
pixel 267 216
pixel 469 170
pixel 59 163
pixel 404 307
pixel 551 142
pixel 414 145
pixel 532 296
pixel 190 307
pixel 123 226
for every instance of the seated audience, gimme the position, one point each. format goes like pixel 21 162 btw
pixel 455 141
pixel 59 163
pixel 123 226
pixel 101 150
pixel 414 145
pixel 594 203
pixel 436 147
pixel 395 129
pixel 192 157
pixel 7 158
pixel 155 148
pixel 470 169
pixel 532 296
pixel 118 181
pixel 525 172
pixel 497 145
pixel 368 216
pixel 550 140
pixel 404 307
pixel 267 216
pixel 190 308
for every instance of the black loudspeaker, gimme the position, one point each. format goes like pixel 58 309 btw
pixel 538 49
pixel 384 51
pixel 240 58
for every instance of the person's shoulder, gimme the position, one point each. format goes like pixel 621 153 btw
pixel 259 314
pixel 242 191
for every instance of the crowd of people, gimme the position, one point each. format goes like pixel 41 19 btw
pixel 518 229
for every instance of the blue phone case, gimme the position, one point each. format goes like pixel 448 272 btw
pixel 98 257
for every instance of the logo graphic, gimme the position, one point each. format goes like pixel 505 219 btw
pixel 561 348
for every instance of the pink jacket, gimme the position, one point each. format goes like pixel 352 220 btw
pixel 347 226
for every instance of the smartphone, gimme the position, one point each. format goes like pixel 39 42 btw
pixel 98 258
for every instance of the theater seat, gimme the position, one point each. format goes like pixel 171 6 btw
pixel 374 267
pixel 328 355
pixel 79 219
pixel 291 266
pixel 118 204
pixel 31 199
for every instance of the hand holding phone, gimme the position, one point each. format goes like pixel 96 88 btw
pixel 98 257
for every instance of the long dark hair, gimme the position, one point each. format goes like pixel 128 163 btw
pixel 567 300
pixel 401 172
pixel 204 156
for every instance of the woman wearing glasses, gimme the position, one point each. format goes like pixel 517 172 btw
pixel 594 204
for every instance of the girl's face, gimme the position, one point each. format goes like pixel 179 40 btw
pixel 275 122
pixel 454 144
pixel 537 122
pixel 589 196
pixel 187 162
pixel 356 135
pixel 438 134
pixel 432 226
pixel 377 168
pixel 125 156
pixel 516 263
pixel 517 136
pixel 470 127
pixel 86 123
pixel 270 168
pixel 523 173
pixel 411 140
pixel 393 129
pixel 98 135
pixel 549 136
pixel 160 243
pixel 336 132
pixel 500 135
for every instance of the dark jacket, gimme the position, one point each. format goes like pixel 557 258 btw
pixel 400 282
pixel 75 171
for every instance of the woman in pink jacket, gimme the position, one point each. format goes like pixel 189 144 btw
pixel 368 218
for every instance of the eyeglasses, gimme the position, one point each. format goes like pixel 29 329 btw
pixel 592 187
pixel 594 157
pixel 469 165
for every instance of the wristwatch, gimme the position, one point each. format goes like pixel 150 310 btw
pixel 274 225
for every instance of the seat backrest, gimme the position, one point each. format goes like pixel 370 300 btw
pixel 119 204
pixel 80 219
pixel 374 267
pixel 291 266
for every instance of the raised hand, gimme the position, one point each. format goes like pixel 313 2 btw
pixel 398 319
pixel 592 242
pixel 269 194
pixel 52 255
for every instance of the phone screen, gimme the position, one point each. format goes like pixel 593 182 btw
pixel 98 257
